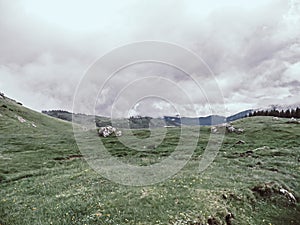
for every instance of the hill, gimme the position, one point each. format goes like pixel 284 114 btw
pixel 239 115
pixel 144 122
pixel 45 180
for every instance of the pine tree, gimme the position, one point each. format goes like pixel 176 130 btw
pixel 297 113
pixel 287 113
pixel 293 113
pixel 282 114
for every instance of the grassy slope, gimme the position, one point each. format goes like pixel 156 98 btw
pixel 37 188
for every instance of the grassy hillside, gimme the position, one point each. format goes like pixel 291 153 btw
pixel 44 179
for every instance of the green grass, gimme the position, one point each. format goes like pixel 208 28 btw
pixel 43 179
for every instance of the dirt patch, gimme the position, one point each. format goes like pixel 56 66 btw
pixel 266 189
pixel 273 190
pixel 213 221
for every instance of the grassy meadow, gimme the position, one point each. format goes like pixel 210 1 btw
pixel 45 180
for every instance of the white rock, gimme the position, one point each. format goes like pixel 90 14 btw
pixel 240 130
pixel 119 133
pixel 231 129
pixel 108 130
pixel 21 119
pixel 288 194
pixel 214 130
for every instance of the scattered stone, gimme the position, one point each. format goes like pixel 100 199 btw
pixel 213 130
pixel 273 169
pixel 269 189
pixel 287 194
pixel 32 124
pixel 246 154
pixel 213 221
pixel 293 120
pixel 240 142
pixel 262 148
pixel 151 146
pixel 239 131
pixel 232 129
pixel 119 133
pixel 228 218
pixel 21 119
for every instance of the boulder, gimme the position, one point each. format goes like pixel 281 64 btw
pixel 232 129
pixel 109 130
pixel 293 120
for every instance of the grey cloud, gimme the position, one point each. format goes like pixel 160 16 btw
pixel 253 51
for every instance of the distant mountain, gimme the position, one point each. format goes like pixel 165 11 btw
pixel 212 120
pixel 194 121
pixel 239 115
pixel 204 121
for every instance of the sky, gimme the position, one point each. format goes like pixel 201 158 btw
pixel 251 50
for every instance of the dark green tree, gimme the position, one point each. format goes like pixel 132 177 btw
pixel 282 113
pixel 297 114
pixel 287 113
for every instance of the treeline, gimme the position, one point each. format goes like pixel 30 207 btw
pixel 289 113
pixel 55 111
pixel 138 122
pixel 135 122
pixel 61 114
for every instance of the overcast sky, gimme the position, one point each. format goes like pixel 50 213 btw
pixel 251 47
